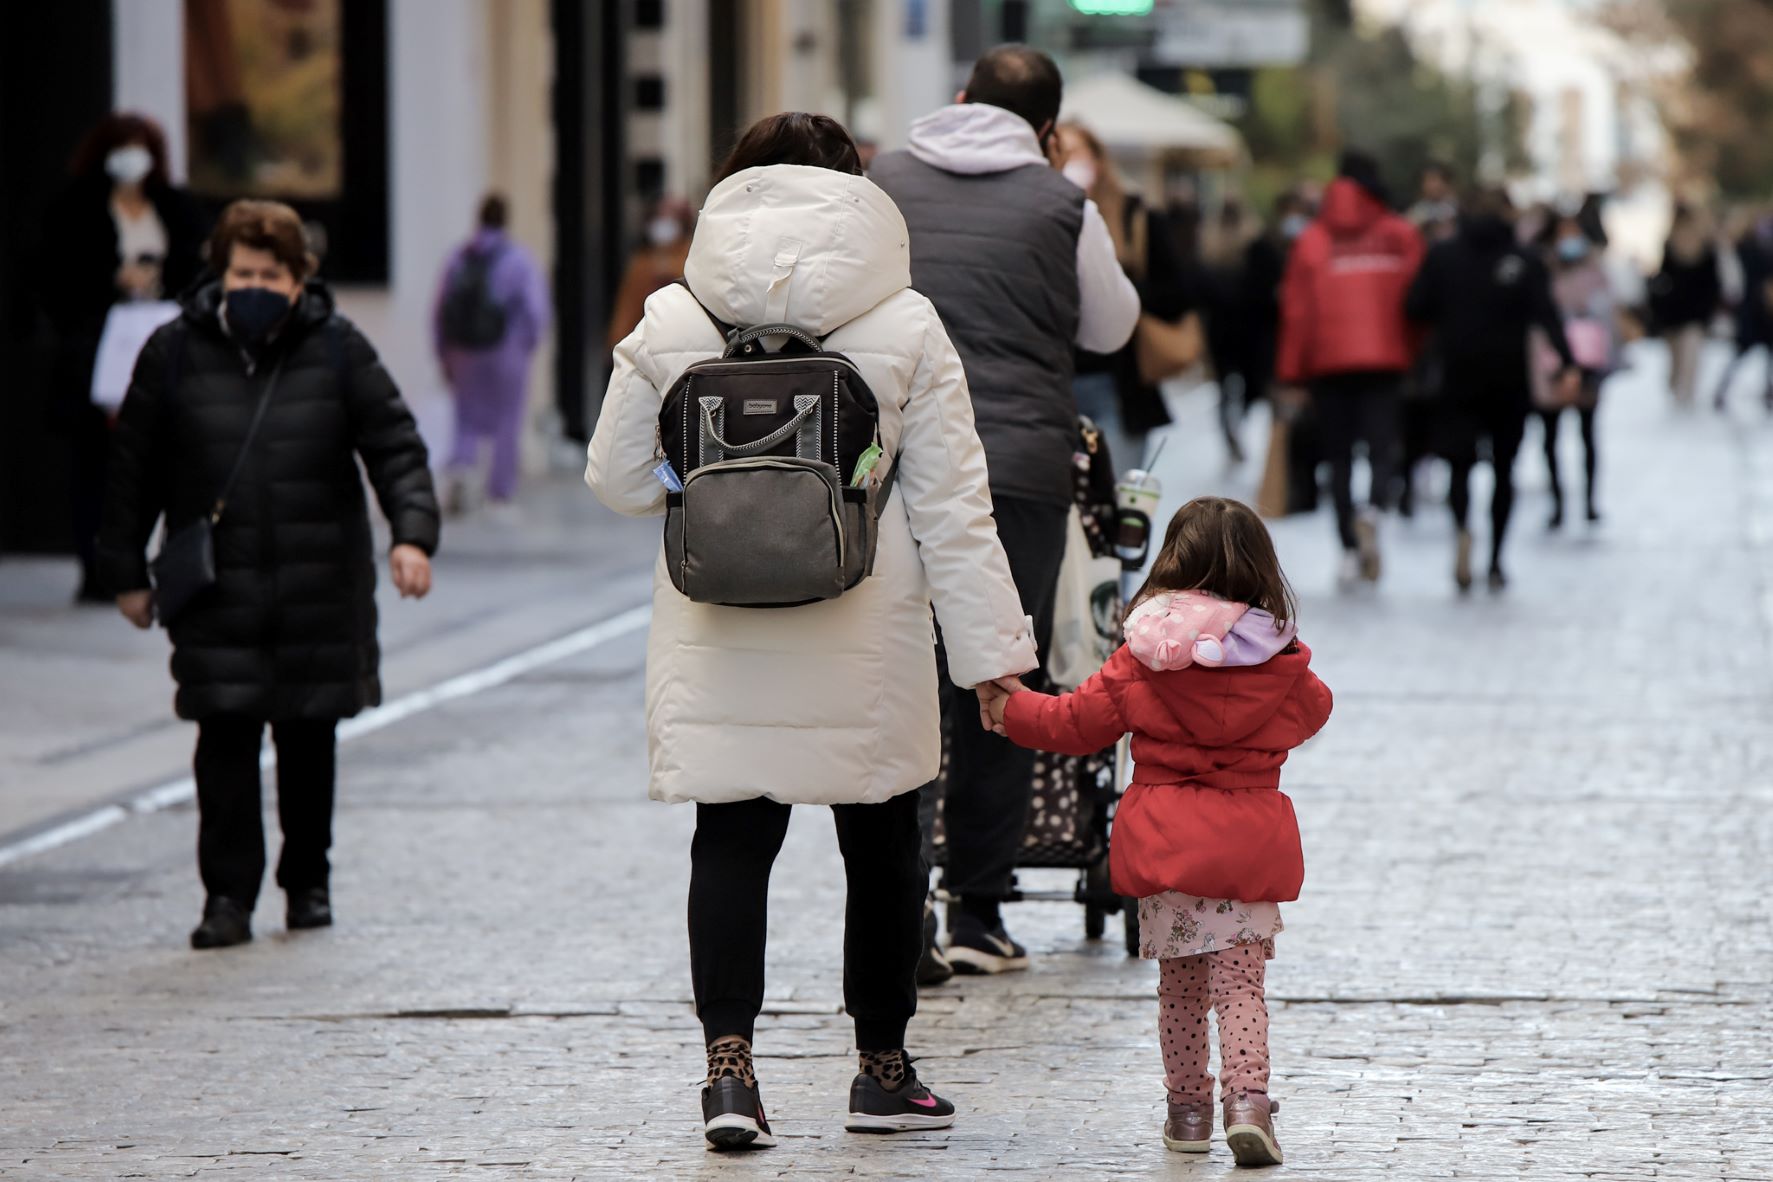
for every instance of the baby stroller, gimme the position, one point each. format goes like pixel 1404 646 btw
pixel 1074 797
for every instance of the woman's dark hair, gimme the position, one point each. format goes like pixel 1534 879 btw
pixel 794 137
pixel 1221 547
pixel 116 130
pixel 262 225
pixel 495 211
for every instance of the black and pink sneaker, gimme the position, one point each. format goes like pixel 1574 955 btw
pixel 732 1116
pixel 913 1106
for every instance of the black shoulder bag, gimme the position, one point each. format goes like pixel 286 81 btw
pixel 185 566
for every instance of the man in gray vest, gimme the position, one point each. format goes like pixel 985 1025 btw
pixel 1022 269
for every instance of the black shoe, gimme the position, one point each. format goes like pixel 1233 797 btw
pixel 311 908
pixel 225 924
pixel 1498 580
pixel 873 1109
pixel 732 1116
pixel 932 967
pixel 1557 516
pixel 975 949
pixel 1594 514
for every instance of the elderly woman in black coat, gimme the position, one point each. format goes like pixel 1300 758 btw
pixel 249 412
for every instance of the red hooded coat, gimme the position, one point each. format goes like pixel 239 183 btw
pixel 1205 814
pixel 1342 301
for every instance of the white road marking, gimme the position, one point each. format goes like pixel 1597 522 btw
pixel 179 791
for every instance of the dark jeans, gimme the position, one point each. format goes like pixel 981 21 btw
pixel 91 446
pixel 1470 419
pixel 230 818
pixel 1353 408
pixel 1590 456
pixel 990 782
pixel 730 859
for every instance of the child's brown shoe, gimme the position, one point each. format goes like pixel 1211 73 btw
pixel 1249 1129
pixel 1189 1128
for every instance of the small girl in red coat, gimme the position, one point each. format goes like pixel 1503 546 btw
pixel 1204 838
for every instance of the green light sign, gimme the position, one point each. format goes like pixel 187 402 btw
pixel 1113 7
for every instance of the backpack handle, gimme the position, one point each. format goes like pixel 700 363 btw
pixel 784 432
pixel 739 340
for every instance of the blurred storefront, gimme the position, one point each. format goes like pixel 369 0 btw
pixel 385 121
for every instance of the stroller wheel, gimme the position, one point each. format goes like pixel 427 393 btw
pixel 1130 910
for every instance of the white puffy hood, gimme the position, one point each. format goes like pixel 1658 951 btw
pixel 975 138
pixel 797 245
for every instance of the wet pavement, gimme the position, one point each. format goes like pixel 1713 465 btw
pixel 1533 940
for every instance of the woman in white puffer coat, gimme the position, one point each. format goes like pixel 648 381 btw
pixel 750 712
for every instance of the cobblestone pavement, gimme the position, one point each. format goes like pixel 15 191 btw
pixel 1533 941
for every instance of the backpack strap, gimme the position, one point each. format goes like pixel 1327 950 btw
pixel 727 331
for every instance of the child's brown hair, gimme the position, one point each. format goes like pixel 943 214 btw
pixel 1221 547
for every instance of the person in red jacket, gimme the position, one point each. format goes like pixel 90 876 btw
pixel 1204 838
pixel 1345 337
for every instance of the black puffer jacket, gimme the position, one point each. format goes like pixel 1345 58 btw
pixel 289 629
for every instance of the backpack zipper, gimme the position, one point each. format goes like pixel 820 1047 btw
pixel 718 364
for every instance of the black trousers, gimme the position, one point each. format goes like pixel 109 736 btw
pixel 230 818
pixel 1591 461
pixel 1471 417
pixel 990 782
pixel 730 859
pixel 1353 408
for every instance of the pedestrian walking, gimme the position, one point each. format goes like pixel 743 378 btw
pixel 1436 212
pixel 1684 296
pixel 1204 838
pixel 1754 312
pixel 1022 268
pixel 1111 390
pixel 1436 217
pixel 1343 334
pixel 835 703
pixel 490 315
pixel 120 232
pixel 1584 297
pixel 1482 292
pixel 242 428
pixel 657 263
pixel 1242 279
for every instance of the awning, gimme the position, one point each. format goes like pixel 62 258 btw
pixel 1129 116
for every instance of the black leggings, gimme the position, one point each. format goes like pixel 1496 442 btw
pixel 1591 457
pixel 730 859
pixel 1504 431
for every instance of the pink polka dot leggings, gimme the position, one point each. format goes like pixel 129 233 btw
pixel 1228 982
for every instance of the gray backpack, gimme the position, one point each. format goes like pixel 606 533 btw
pixel 772 462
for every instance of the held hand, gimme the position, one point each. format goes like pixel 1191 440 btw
pixel 999 706
pixel 411 570
pixel 137 607
pixel 988 693
pixel 1570 384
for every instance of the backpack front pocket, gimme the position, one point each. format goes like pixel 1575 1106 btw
pixel 762 532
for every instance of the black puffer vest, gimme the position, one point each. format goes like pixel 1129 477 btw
pixel 289 629
pixel 996 253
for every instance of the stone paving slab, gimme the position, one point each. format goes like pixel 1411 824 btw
pixel 1533 941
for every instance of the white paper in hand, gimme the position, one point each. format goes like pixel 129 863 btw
pixel 127 329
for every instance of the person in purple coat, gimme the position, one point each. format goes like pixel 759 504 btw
pixel 491 312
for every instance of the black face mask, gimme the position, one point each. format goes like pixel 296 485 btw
pixel 252 313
